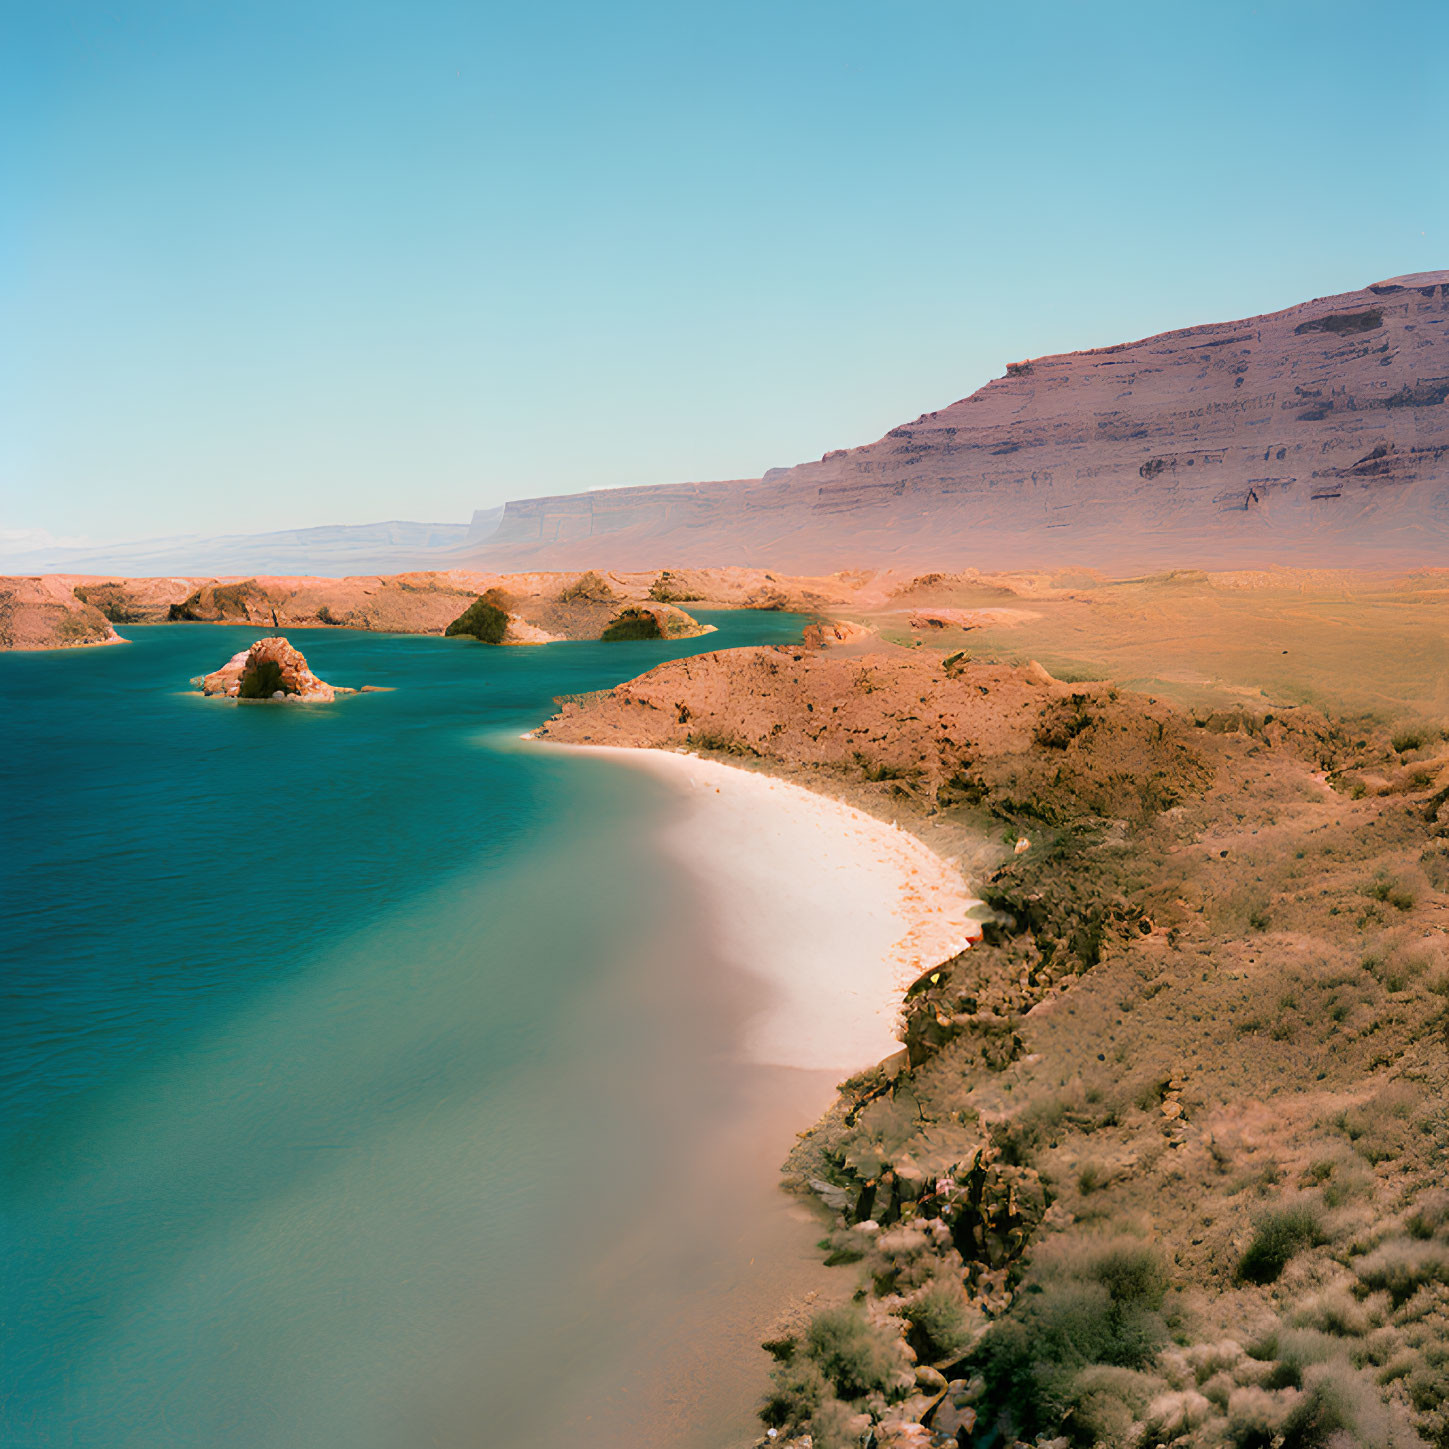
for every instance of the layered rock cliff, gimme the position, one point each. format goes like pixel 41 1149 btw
pixel 1317 434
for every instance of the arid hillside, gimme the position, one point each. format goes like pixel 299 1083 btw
pixel 46 613
pixel 1161 1161
pixel 1319 434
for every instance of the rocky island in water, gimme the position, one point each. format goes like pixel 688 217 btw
pixel 270 670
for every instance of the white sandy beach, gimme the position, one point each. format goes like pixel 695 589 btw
pixel 835 911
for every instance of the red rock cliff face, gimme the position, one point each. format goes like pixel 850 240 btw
pixel 1318 434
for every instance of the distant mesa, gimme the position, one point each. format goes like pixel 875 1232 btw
pixel 332 551
pixel 1313 436
pixel 270 670
pixel 1318 435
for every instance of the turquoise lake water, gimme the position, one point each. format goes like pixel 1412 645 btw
pixel 343 1048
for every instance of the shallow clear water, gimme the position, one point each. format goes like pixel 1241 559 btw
pixel 353 1059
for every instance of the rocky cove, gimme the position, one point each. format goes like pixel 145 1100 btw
pixel 1155 1159
pixel 64 611
pixel 455 1083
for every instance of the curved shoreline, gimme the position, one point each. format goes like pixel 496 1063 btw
pixel 835 911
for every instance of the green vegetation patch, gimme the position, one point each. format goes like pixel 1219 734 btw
pixel 481 620
pixel 1279 1234
pixel 842 1361
pixel 76 628
pixel 941 1322
pixel 632 624
pixel 110 599
pixel 1085 1303
pixel 588 588
pixel 667 590
pixel 719 743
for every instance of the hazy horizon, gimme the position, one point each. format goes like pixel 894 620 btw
pixel 272 269
pixel 19 543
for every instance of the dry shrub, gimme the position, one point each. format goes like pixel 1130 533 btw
pixel 587 588
pixel 1429 1217
pixel 1391 890
pixel 856 1357
pixel 1255 1416
pixel 1172 1415
pixel 1402 1266
pixel 942 1321
pixel 1208 1360
pixel 1380 1127
pixel 1334 1311
pixel 1108 1403
pixel 1086 1302
pixel 843 1359
pixel 1278 1234
pixel 1339 1407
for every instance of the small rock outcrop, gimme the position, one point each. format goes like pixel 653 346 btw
pixel 653 621
pixel 485 619
pixel 272 670
pixel 491 620
pixel 634 622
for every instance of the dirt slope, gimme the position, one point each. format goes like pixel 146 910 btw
pixel 1161 1161
pixel 45 613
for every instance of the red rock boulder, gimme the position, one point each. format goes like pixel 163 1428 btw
pixel 272 670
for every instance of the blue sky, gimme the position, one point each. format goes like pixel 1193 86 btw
pixel 267 265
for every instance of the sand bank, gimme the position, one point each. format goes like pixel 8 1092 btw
pixel 836 912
